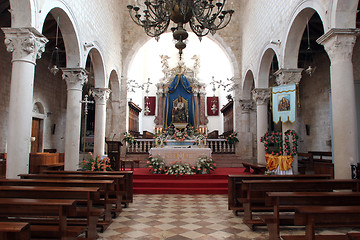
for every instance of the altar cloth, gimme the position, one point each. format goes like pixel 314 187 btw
pixel 172 154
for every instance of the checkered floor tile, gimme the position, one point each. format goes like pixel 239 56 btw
pixel 183 217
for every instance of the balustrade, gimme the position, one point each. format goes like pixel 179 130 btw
pixel 217 146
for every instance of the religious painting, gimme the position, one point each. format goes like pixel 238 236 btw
pixel 212 106
pixel 149 106
pixel 283 103
pixel 180 110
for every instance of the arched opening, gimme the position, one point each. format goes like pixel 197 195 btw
pixel 147 63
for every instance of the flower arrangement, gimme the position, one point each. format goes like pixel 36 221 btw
pixel 180 168
pixel 128 138
pixel 156 164
pixel 276 145
pixel 232 138
pixel 204 164
pixel 180 135
pixel 96 164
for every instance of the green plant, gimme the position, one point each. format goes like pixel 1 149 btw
pixel 180 168
pixel 204 164
pixel 128 138
pixel 156 164
pixel 96 164
pixel 232 138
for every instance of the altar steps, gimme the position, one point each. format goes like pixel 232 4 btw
pixel 214 183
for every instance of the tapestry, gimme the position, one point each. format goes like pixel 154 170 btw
pixel 212 104
pixel 179 103
pixel 149 106
pixel 284 103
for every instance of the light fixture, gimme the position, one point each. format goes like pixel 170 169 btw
pixel 203 16
pixel 308 54
pixel 54 61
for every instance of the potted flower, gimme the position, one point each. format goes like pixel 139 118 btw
pixel 128 138
pixel 232 138
pixel 156 164
pixel 96 164
pixel 205 164
pixel 180 168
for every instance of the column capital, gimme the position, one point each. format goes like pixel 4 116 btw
pixel 339 43
pixel 75 78
pixel 246 105
pixel 26 44
pixel 288 76
pixel 261 95
pixel 101 95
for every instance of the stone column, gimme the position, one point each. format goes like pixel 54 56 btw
pixel 284 77
pixel 261 97
pixel 75 79
pixel 116 133
pixel 246 106
pixel 26 45
pixel 101 95
pixel 339 45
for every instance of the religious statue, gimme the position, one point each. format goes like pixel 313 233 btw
pixel 180 110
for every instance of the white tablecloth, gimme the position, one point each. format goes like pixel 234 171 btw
pixel 188 155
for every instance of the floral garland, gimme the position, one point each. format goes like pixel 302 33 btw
pixel 291 145
pixel 96 164
pixel 273 143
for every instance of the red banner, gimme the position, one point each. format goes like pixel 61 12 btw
pixel 212 104
pixel 149 106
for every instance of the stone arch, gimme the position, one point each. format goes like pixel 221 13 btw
pixel 38 108
pixel 22 13
pixel 343 14
pixel 249 82
pixel 99 67
pixel 297 25
pixel 69 30
pixel 264 67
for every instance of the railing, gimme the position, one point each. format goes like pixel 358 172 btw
pixel 217 146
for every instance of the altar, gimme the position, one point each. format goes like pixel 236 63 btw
pixel 172 154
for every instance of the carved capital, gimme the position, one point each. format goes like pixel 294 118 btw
pixel 26 44
pixel 75 78
pixel 101 95
pixel 288 76
pixel 246 105
pixel 339 43
pixel 261 95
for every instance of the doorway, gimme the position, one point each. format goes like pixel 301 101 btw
pixel 36 137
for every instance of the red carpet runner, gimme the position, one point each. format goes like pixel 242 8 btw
pixel 214 183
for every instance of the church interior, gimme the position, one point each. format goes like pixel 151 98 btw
pixel 179 119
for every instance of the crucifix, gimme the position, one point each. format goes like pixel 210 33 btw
pixel 86 101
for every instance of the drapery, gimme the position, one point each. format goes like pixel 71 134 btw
pixel 180 86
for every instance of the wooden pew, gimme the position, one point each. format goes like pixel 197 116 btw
pixel 88 216
pixel 105 186
pixel 235 183
pixel 41 209
pixel 119 184
pixel 287 201
pixel 353 235
pixel 255 192
pixel 257 168
pixel 128 181
pixel 14 230
pixel 325 216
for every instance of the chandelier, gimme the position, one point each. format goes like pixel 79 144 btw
pixel 203 16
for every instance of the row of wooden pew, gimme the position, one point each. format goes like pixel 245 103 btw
pixel 312 201
pixel 62 204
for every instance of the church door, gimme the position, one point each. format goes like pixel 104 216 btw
pixel 35 135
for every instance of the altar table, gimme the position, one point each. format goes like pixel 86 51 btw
pixel 189 155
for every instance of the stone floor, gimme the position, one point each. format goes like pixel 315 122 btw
pixel 181 217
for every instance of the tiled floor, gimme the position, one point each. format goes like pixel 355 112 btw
pixel 181 217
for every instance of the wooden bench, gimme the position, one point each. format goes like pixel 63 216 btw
pixel 353 235
pixel 257 168
pixel 325 216
pixel 35 210
pixel 287 201
pixel 235 183
pixel 128 181
pixel 255 192
pixel 132 164
pixel 119 184
pixel 14 230
pixel 105 186
pixel 51 166
pixel 87 216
